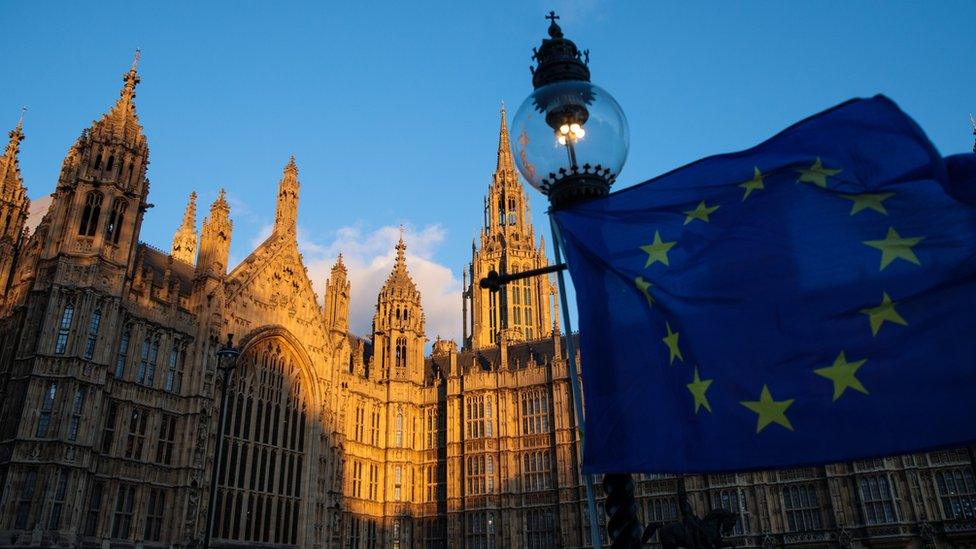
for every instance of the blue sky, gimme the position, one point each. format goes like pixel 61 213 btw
pixel 392 109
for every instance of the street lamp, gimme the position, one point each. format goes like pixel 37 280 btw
pixel 572 141
pixel 572 136
pixel 226 362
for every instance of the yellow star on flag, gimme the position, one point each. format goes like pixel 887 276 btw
pixel 657 250
pixel 671 340
pixel 868 201
pixel 884 312
pixel 700 212
pixel 698 387
pixel 644 287
pixel 753 184
pixel 842 374
pixel 895 247
pixel 816 174
pixel 769 410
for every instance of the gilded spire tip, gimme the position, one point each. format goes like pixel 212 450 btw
pixel 135 59
pixel 23 112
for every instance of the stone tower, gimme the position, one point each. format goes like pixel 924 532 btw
pixel 100 199
pixel 507 245
pixel 398 325
pixel 185 239
pixel 13 206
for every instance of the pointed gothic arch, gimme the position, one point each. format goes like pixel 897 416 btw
pixel 268 450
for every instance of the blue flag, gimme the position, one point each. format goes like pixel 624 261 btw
pixel 809 300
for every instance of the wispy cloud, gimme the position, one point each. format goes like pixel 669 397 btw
pixel 369 256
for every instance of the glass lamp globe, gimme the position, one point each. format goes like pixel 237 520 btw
pixel 569 127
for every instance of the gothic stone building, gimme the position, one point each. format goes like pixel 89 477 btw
pixel 108 384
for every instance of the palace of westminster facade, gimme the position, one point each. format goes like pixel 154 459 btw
pixel 108 383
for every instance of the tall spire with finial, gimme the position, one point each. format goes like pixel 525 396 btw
pixel 505 160
pixel 121 120
pixel 12 183
pixel 185 239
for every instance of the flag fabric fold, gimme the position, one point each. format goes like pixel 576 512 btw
pixel 809 300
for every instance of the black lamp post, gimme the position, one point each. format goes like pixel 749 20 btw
pixel 226 362
pixel 572 141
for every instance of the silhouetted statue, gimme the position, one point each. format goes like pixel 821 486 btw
pixel 690 531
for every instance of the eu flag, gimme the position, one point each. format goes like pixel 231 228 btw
pixel 809 300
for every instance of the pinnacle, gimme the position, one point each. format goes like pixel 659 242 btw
pixel 291 166
pixel 190 214
pixel 505 160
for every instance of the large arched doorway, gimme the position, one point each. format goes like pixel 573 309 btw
pixel 265 447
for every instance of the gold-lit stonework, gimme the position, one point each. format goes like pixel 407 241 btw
pixel 335 440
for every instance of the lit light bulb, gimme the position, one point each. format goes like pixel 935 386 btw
pixel 561 139
pixel 575 128
pixel 564 129
pixel 580 133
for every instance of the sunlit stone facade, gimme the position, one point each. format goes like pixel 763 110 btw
pixel 108 385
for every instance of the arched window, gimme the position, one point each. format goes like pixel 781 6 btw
pixel 89 215
pixel 113 229
pixel 64 328
pixel 260 498
pixel 96 320
pixel 401 355
pixel 123 352
pixel 398 433
pixel 98 161
pixel 111 162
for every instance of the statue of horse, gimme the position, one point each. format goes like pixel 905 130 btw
pixel 693 532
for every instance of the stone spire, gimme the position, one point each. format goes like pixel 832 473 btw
pixel 121 120
pixel 14 205
pixel 185 239
pixel 215 239
pixel 337 289
pixel 286 214
pixel 505 161
pixel 10 178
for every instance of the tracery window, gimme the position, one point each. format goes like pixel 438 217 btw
pixel 265 435
pixel 147 362
pixel 401 354
pixel 359 423
pixel 398 434
pixel 64 328
pixel 122 521
pixel 47 405
pixel 76 405
pixel 123 352
pixel 535 412
pixel 957 492
pixel 480 530
pixel 536 470
pixel 89 214
pixel 732 500
pixel 475 416
pixel 174 373
pixel 479 473
pixel 539 528
pixel 877 497
pixel 96 320
pixel 430 440
pixel 802 507
pixel 113 229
